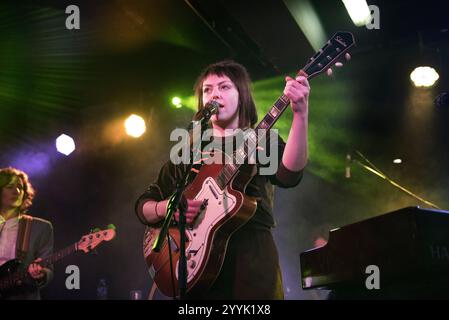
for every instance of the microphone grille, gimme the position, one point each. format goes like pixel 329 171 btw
pixel 211 107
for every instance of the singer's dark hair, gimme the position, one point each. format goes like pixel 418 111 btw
pixel 6 175
pixel 241 79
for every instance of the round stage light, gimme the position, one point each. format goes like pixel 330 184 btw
pixel 424 76
pixel 65 144
pixel 135 126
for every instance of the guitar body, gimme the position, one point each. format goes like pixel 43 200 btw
pixel 207 238
pixel 8 272
pixel 9 267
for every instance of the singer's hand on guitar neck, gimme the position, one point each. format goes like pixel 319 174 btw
pixel 297 90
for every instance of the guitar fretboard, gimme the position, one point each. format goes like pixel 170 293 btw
pixel 247 148
pixel 59 255
pixel 320 62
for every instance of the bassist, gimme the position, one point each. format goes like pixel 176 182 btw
pixel 21 236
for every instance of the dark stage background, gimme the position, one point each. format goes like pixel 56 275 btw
pixel 134 56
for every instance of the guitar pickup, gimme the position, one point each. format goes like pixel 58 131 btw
pixel 204 204
pixel 213 192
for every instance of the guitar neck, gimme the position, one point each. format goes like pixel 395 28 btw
pixel 274 114
pixel 321 61
pixel 59 255
pixel 259 134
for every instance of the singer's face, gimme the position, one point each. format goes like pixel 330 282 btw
pixel 12 194
pixel 224 91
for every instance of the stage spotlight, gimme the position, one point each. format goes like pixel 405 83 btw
pixel 135 126
pixel 397 161
pixel 176 101
pixel 424 76
pixel 65 144
pixel 359 11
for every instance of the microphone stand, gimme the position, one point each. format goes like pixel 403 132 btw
pixel 373 169
pixel 174 205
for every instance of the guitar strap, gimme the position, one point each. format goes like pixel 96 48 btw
pixel 23 236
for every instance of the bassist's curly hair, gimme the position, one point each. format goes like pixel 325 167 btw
pixel 6 175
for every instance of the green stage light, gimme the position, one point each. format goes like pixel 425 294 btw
pixel 176 101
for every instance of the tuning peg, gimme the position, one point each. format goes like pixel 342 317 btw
pixel 111 226
pixel 95 230
pixel 338 64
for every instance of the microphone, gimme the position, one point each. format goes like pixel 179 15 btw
pixel 348 166
pixel 209 109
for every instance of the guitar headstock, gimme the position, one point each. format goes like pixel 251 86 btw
pixel 90 241
pixel 335 47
